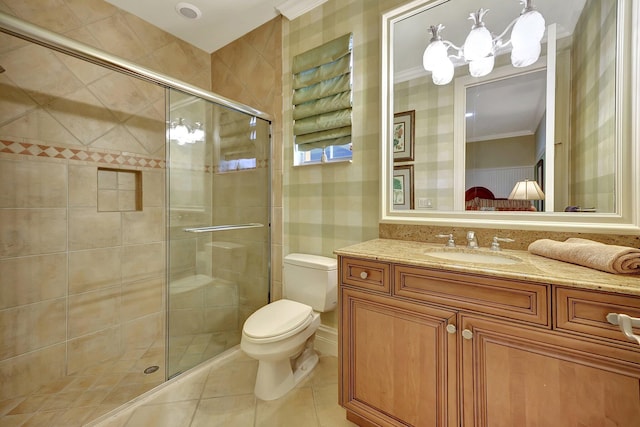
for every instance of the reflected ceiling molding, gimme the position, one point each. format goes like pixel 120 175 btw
pixel 292 9
pixel 409 74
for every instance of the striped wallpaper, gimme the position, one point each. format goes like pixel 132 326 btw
pixel 593 136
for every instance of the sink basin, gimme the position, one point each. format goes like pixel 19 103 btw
pixel 473 256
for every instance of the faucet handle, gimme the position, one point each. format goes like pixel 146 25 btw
pixel 472 240
pixel 450 243
pixel 495 246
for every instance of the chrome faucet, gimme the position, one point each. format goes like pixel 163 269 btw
pixel 450 242
pixel 472 240
pixel 495 246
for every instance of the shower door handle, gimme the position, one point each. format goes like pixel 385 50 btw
pixel 213 228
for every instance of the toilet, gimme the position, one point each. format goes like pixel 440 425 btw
pixel 281 334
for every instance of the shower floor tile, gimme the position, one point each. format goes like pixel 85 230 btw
pixel 84 396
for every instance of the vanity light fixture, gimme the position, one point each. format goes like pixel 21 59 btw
pixel 526 190
pixel 183 133
pixel 480 47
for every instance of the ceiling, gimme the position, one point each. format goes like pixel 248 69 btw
pixel 489 119
pixel 221 22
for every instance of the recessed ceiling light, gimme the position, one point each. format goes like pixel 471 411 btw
pixel 188 10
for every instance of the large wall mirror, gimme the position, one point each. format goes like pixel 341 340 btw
pixel 522 114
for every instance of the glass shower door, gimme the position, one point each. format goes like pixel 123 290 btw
pixel 218 243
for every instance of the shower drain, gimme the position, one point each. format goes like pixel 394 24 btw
pixel 151 369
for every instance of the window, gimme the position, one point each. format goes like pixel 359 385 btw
pixel 331 153
pixel 322 102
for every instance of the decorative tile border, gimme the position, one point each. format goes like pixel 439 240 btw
pixel 113 159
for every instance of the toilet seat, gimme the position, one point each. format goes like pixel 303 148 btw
pixel 277 320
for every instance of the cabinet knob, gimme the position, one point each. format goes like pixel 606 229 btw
pixel 364 275
pixel 451 329
pixel 467 334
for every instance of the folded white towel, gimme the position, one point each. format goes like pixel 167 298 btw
pixel 588 253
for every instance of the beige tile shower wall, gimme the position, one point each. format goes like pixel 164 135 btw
pixel 249 70
pixel 593 129
pixel 78 286
pixel 89 290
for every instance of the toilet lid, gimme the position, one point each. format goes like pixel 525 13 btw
pixel 282 317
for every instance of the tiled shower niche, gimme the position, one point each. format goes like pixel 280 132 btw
pixel 119 190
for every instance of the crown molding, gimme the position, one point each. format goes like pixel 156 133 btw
pixel 292 9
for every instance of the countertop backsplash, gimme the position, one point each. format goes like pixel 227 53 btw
pixel 522 238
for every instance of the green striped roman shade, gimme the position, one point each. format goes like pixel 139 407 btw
pixel 322 95
pixel 235 133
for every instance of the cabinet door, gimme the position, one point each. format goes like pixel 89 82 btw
pixel 397 362
pixel 521 376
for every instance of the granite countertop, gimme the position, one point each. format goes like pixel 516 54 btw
pixel 533 268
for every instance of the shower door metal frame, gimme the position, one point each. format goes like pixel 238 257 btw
pixel 43 37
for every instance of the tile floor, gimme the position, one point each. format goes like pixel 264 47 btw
pixel 76 399
pixel 220 393
pixel 216 393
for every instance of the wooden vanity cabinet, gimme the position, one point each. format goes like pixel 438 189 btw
pixel 430 349
pixel 398 361
pixel 515 375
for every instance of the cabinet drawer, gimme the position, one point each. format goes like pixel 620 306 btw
pixel 366 274
pixel 512 299
pixel 585 313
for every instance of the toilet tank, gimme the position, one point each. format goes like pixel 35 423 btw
pixel 311 280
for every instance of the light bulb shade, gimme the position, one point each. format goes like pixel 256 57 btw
pixel 525 55
pixel 198 135
pixel 528 28
pixel 443 74
pixel 482 67
pixel 526 190
pixel 478 44
pixel 526 36
pixel 434 54
pixel 179 132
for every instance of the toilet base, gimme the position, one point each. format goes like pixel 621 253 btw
pixel 277 378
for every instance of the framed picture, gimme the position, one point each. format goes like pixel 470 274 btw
pixel 403 136
pixel 403 187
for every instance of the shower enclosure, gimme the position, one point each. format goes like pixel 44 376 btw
pixel 218 183
pixel 134 226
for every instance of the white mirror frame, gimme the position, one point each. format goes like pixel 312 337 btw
pixel 625 221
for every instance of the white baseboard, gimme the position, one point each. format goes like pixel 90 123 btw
pixel 326 342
